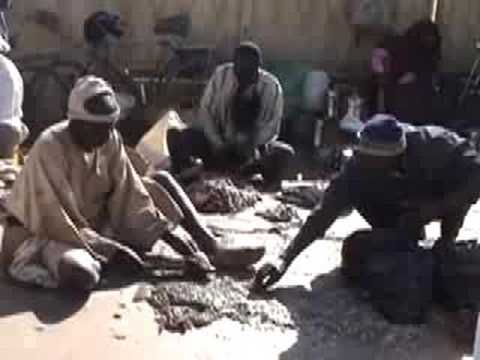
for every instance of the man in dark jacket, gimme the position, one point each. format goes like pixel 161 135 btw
pixel 401 177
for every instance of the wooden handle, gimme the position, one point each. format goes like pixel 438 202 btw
pixel 435 8
pixel 381 108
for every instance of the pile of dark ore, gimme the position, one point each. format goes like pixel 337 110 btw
pixel 182 306
pixel 279 213
pixel 222 196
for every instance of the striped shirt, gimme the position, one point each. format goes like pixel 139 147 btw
pixel 216 108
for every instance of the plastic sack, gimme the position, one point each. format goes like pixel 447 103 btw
pixel 153 146
pixel 458 275
pixel 397 274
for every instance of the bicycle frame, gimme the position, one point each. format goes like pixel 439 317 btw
pixel 473 77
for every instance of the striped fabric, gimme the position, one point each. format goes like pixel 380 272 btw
pixel 215 117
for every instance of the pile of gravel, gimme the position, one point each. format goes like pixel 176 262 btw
pixel 222 196
pixel 181 306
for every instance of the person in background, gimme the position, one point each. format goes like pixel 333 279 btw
pixel 404 70
pixel 13 131
pixel 238 122
pixel 103 32
pixel 401 177
pixel 78 204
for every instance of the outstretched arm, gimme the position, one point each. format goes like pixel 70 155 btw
pixel 335 201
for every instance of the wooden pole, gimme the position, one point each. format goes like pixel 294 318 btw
pixel 435 8
pixel 476 350
pixel 246 20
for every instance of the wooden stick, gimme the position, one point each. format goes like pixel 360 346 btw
pixel 381 107
pixel 435 8
pixel 246 20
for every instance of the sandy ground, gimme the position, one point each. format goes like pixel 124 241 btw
pixel 330 322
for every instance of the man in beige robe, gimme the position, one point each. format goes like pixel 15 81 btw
pixel 78 200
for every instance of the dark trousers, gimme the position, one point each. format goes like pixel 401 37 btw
pixel 272 160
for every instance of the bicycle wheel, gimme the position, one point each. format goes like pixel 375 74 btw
pixel 45 102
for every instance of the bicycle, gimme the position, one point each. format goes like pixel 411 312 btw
pixel 41 72
pixel 466 96
pixel 149 87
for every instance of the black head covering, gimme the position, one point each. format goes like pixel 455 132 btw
pixel 424 56
pixel 419 31
pixel 250 47
pixel 100 24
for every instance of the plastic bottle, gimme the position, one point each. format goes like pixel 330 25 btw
pixel 352 120
pixel 332 104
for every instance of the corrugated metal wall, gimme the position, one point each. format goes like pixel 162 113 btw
pixel 312 30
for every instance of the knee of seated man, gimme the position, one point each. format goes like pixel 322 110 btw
pixel 78 270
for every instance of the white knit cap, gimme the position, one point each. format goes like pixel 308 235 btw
pixel 86 88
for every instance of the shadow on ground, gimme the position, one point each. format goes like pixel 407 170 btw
pixel 334 323
pixel 55 306
pixel 50 307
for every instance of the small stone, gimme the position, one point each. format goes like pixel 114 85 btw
pixel 122 305
pixel 119 334
pixel 40 328
pixel 143 293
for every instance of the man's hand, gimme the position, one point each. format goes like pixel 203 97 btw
pixel 130 258
pixel 408 78
pixel 270 274
pixel 198 267
pixel 199 262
